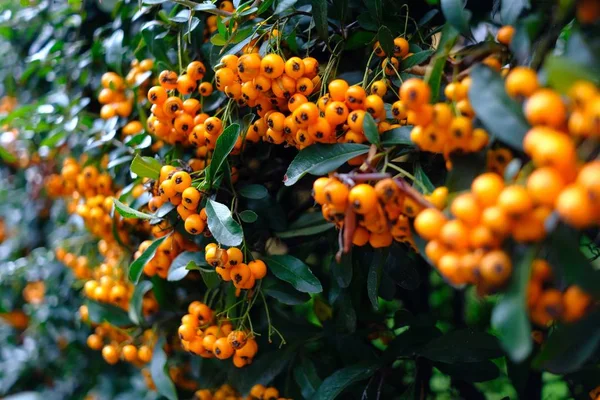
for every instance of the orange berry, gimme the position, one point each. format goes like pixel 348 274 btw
pixel 495 268
pixel 544 186
pixel 505 34
pixel 545 107
pixel 466 208
pixel 400 47
pixel 272 66
pixel 575 207
pixel 360 236
pixel 362 198
pixel 455 235
pixel 337 89
pixel 487 187
pixel 515 200
pixel 258 268
pixel 110 353
pixel 222 349
pixel 589 179
pixel 521 82
pixel 429 223
pixel 576 302
pixel 414 93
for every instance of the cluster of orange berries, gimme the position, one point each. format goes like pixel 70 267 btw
pixel 467 249
pixel 91 197
pixel 436 127
pixel 117 345
pixel 227 392
pixel 382 210
pixel 230 266
pixel 391 62
pixel 203 336
pixel 166 252
pixel 175 120
pixel 114 95
pixel 546 303
pixel 560 180
pixel 175 186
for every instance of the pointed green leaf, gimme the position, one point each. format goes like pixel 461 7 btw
pixel 135 303
pixel 510 317
pixel 102 312
pixel 224 229
pixel 129 212
pixel 160 373
pixel 223 147
pixel 370 129
pixel 137 266
pixel 183 263
pixel 294 271
pixel 320 159
pixel 455 13
pixel 501 115
pixel 335 384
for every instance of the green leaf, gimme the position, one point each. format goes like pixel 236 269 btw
pixel 283 292
pixel 320 159
pixel 319 13
pixel 159 371
pixel 359 39
pixel 248 216
pixel 153 2
pixel 182 16
pixel 335 384
pixel 569 261
pixel 255 192
pixel 373 282
pixel 263 370
pixel 481 371
pixel 102 312
pixel 511 9
pixel 211 279
pixel 294 271
pixel 370 129
pixel 321 227
pixel 137 266
pixel 501 115
pixel 183 263
pixel 218 40
pixel 205 6
pixel 386 40
pixel 118 161
pixel 434 78
pixel 375 9
pixel 462 346
pixel 509 317
pixel 146 167
pixel 415 59
pixel 225 230
pixel 455 13
pixel 306 377
pixel 264 6
pixel 7 156
pixel 420 176
pixel 342 272
pixel 223 147
pixel 135 303
pixel 284 5
pixel 397 136
pixel 569 346
pixel 563 72
pixel 465 169
pixel 129 212
pixel 113 49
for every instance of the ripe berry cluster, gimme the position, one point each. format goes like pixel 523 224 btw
pixel 174 120
pixel 203 335
pixel 436 127
pixel 546 303
pixel 115 97
pixel 258 392
pixel 383 210
pixel 116 344
pixel 230 266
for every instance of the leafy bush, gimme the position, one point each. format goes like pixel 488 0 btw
pixel 300 199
